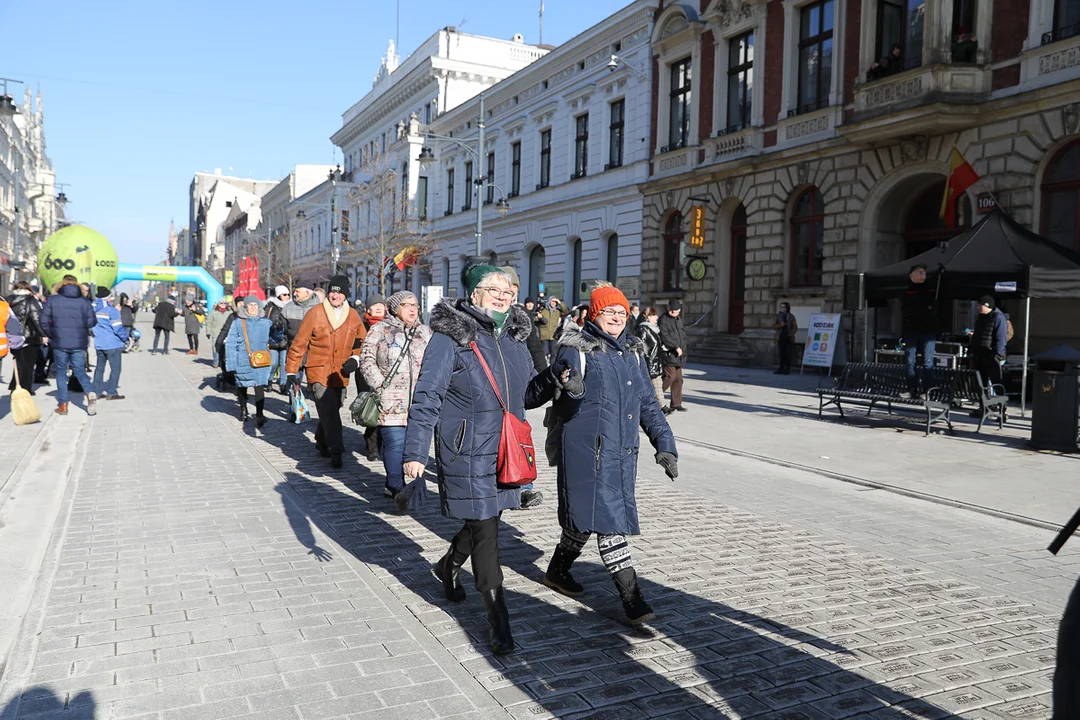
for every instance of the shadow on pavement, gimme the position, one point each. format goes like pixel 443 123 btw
pixel 41 701
pixel 699 654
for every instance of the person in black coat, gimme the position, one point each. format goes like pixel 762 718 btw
pixel 226 377
pixel 673 353
pixel 165 322
pixel 987 345
pixel 649 334
pixel 279 334
pixel 533 342
pixel 600 412
pixel 27 309
pixel 919 309
pixel 455 404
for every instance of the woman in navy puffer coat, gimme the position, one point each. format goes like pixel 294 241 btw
pixel 597 432
pixel 454 402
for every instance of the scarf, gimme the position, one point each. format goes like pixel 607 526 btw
pixel 499 318
pixel 371 320
pixel 336 316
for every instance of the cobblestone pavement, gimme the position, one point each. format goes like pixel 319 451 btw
pixel 215 570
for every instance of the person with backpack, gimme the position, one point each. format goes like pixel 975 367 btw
pixel 25 310
pixel 600 412
pixel 279 335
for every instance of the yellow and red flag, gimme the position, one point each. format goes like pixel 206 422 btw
pixel 961 177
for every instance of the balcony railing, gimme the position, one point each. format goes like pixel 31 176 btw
pixel 1061 33
pixel 807 108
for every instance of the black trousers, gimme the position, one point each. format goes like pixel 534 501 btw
pixel 1067 671
pixel 783 349
pixel 24 360
pixel 479 539
pixel 988 366
pixel 193 341
pixel 328 403
pixel 260 397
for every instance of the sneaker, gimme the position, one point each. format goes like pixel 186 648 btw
pixel 91 404
pixel 388 492
pixel 114 397
pixel 667 410
pixel 530 498
pixel 401 500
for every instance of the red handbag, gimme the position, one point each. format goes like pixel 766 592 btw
pixel 516 463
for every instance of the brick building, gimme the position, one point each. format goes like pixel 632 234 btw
pixel 812 157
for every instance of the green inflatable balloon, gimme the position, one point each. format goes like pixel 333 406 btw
pixel 77 250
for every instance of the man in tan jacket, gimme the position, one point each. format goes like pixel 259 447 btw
pixel 331 336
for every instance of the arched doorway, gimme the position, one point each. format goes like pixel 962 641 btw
pixel 537 267
pixel 924 228
pixel 737 286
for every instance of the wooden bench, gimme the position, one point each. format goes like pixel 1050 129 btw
pixel 870 384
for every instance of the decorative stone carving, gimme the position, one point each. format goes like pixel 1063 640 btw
pixel 729 187
pixel 733 12
pixel 808 127
pixel 730 145
pixel 802 170
pixel 674 26
pixel 1070 118
pixel 676 161
pixel 1060 60
pixel 894 92
pixel 913 149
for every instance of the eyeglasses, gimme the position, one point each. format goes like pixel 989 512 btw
pixel 498 292
pixel 615 313
pixel 409 305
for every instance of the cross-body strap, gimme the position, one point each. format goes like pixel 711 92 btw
pixel 247 344
pixel 397 363
pixel 490 377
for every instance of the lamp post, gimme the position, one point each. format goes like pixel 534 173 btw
pixel 481 182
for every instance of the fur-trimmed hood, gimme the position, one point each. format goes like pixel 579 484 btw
pixel 460 321
pixel 592 339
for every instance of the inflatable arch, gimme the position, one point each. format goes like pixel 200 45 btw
pixel 88 255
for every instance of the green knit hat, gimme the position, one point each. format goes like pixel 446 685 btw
pixel 476 273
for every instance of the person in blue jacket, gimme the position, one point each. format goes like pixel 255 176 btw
pixel 596 434
pixel 110 336
pixel 453 401
pixel 67 320
pixel 237 359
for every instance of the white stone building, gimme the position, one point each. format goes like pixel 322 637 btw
pixel 27 191
pixel 567 143
pixel 448 69
pixel 210 198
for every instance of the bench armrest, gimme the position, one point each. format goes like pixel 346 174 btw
pixel 835 383
pixel 939 394
pixel 999 389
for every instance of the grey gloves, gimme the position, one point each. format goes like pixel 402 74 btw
pixel 669 462
pixel 568 378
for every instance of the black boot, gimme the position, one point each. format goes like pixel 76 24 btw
pixel 244 416
pixel 448 572
pixel 260 419
pixel 558 573
pixel 634 605
pixel 502 641
pixel 323 450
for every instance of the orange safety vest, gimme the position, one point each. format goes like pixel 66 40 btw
pixel 5 310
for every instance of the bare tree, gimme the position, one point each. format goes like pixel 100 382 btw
pixel 274 254
pixel 381 221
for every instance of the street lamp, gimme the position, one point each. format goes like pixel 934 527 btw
pixel 427 157
pixel 8 108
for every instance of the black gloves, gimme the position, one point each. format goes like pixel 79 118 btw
pixel 574 384
pixel 669 462
pixel 290 380
pixel 351 365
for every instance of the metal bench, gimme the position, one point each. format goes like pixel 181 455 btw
pixel 870 384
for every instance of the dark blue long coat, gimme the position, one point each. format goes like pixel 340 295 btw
pixel 599 431
pixel 454 401
pixel 67 319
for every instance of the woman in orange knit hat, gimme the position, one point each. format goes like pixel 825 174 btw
pixel 594 444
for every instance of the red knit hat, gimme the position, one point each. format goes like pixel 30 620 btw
pixel 603 297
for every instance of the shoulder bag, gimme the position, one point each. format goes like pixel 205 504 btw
pixel 367 407
pixel 258 358
pixel 516 462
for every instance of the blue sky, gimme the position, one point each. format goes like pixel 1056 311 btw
pixel 140 95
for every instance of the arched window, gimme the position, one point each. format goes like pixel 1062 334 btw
pixel 1061 198
pixel 807 239
pixel 575 277
pixel 673 237
pixel 537 263
pixel 612 258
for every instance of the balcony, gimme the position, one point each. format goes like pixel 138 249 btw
pixel 671 161
pixel 733 143
pixel 926 100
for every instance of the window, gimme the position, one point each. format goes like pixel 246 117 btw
pixel 404 191
pixel 575 279
pixel 467 205
pixel 421 197
pixel 1066 20
pixel 427 114
pixel 807 239
pixel 537 263
pixel 673 237
pixel 679 105
pixel 1061 198
pixel 815 55
pixel 515 169
pixel 450 191
pixel 615 134
pixel 581 146
pixel 490 178
pixel 612 258
pixel 740 81
pixel 900 25
pixel 545 159
pixel 963 17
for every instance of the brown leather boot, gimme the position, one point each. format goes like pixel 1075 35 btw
pixel 62 409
